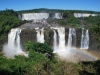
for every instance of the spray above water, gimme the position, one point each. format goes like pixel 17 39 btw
pixel 13 46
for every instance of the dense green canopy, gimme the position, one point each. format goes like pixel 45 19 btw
pixel 8 19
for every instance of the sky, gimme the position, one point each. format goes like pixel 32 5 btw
pixel 93 5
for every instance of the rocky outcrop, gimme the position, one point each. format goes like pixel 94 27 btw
pixel 27 35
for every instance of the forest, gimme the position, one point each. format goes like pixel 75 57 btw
pixel 38 63
pixel 8 19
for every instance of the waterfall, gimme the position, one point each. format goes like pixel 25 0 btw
pixel 39 16
pixel 68 52
pixel 60 49
pixel 11 38
pixel 85 39
pixel 58 16
pixel 72 37
pixel 13 47
pixel 36 16
pixel 61 34
pixel 40 35
pixel 18 40
pixel 55 40
pixel 82 39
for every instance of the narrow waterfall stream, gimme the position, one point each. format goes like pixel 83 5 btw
pixel 85 39
pixel 61 34
pixel 71 38
pixel 55 40
pixel 40 35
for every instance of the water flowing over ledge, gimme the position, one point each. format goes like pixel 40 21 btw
pixel 65 51
pixel 13 46
pixel 40 16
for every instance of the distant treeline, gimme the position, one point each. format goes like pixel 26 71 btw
pixel 57 10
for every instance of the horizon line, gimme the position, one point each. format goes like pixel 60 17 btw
pixel 50 9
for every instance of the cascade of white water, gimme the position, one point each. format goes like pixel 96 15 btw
pixel 40 35
pixel 74 37
pixel 82 39
pixel 11 38
pixel 19 49
pixel 60 49
pixel 85 39
pixel 58 16
pixel 36 16
pixel 13 47
pixel 18 39
pixel 55 40
pixel 39 16
pixel 68 52
pixel 70 38
pixel 61 34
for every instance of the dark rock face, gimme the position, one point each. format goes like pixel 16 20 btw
pixel 49 37
pixel 27 35
pixel 78 37
pixel 94 43
pixel 66 35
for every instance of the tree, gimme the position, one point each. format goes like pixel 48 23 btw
pixel 38 47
